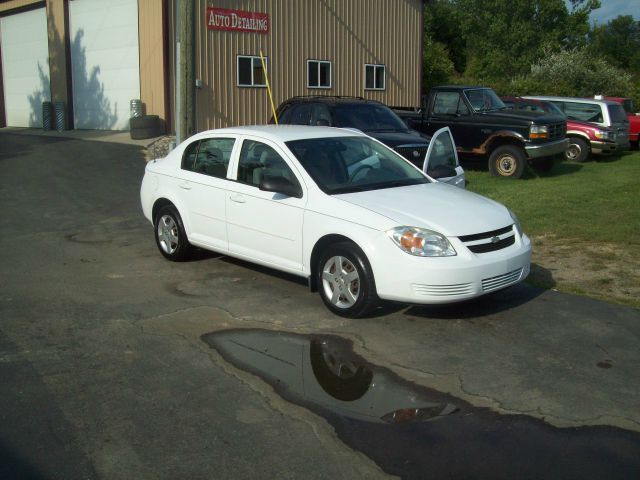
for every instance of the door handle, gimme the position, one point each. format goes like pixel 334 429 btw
pixel 238 198
pixel 185 186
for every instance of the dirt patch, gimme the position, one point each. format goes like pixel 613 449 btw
pixel 604 271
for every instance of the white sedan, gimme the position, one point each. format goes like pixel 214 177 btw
pixel 337 207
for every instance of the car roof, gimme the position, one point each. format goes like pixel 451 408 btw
pixel 283 133
pixel 569 99
pixel 330 99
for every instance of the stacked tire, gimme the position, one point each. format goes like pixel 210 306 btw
pixel 144 126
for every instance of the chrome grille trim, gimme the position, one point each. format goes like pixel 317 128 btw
pixel 442 290
pixel 493 283
pixel 489 241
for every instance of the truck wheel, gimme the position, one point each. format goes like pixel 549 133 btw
pixel 507 161
pixel 577 151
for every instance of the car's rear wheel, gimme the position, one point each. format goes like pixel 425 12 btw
pixel 347 286
pixel 171 238
pixel 577 151
pixel 507 161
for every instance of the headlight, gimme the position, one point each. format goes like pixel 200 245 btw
pixel 538 131
pixel 421 242
pixel 516 222
pixel 605 135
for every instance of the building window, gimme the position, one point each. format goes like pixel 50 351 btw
pixel 250 72
pixel 374 77
pixel 318 74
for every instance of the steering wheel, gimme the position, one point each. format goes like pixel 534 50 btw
pixel 358 170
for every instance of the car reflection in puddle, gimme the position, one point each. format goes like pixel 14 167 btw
pixel 416 432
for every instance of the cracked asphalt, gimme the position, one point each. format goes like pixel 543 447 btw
pixel 103 372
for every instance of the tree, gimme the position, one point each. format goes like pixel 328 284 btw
pixel 505 37
pixel 618 41
pixel 573 72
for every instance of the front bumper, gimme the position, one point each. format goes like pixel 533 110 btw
pixel 609 148
pixel 420 280
pixel 549 149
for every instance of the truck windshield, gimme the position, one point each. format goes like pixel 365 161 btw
pixel 367 117
pixel 353 164
pixel 484 99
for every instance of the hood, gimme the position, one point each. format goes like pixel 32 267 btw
pixel 521 116
pixel 437 206
pixel 395 138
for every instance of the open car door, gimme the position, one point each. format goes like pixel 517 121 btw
pixel 441 161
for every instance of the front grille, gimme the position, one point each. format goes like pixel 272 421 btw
pixel 557 130
pixel 409 152
pixel 442 290
pixel 500 281
pixel 489 241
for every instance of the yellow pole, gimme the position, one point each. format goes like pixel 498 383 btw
pixel 264 69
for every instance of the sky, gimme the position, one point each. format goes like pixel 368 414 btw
pixel 610 9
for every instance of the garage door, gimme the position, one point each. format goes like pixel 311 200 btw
pixel 104 59
pixel 25 67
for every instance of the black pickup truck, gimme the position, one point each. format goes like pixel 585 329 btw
pixel 482 127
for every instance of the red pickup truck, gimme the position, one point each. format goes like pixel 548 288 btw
pixel 632 115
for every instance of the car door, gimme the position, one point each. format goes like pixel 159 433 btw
pixel 265 227
pixel 204 183
pixel 441 161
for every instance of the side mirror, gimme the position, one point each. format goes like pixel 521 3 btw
pixel 278 184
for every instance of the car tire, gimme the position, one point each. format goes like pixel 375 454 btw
pixel 577 151
pixel 345 281
pixel 543 165
pixel 337 372
pixel 170 235
pixel 507 161
pixel 145 126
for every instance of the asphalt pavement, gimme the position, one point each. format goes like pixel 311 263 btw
pixel 104 371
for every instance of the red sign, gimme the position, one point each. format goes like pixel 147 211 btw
pixel 237 20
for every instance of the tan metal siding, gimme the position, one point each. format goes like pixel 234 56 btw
pixel 152 67
pixel 349 33
pixel 11 4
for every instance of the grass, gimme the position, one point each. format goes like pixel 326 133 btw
pixel 584 221
pixel 597 201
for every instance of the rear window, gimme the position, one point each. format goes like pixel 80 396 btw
pixel 617 113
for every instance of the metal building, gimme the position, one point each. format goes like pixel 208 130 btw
pixel 98 55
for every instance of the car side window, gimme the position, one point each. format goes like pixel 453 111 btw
pixel 258 160
pixel 585 112
pixel 213 156
pixel 449 103
pixel 189 156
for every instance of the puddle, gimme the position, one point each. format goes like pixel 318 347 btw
pixel 415 432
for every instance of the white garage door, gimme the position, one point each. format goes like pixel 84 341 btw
pixel 104 59
pixel 25 67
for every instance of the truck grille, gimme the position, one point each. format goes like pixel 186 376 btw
pixel 557 130
pixel 489 241
pixel 414 153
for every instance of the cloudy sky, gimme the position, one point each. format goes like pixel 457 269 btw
pixel 610 9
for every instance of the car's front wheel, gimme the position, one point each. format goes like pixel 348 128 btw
pixel 347 286
pixel 577 151
pixel 170 235
pixel 507 161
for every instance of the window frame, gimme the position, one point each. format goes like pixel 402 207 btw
pixel 375 67
pixel 319 63
pixel 252 58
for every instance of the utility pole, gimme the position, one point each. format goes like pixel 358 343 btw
pixel 185 64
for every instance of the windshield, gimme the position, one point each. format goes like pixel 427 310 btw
pixel 367 117
pixel 617 113
pixel 353 164
pixel 484 99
